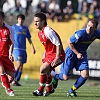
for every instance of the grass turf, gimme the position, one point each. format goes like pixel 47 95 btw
pixel 24 92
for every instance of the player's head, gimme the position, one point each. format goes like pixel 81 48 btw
pixel 92 25
pixel 40 20
pixel 21 16
pixel 20 19
pixel 2 14
pixel 1 17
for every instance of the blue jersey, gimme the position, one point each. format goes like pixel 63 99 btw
pixel 81 40
pixel 20 35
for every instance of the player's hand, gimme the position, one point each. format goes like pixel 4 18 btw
pixel 55 62
pixel 34 51
pixel 11 58
pixel 79 56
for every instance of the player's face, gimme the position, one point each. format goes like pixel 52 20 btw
pixel 20 21
pixel 91 27
pixel 38 23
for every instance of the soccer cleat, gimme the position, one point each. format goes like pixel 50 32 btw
pixel 14 83
pixel 71 94
pixel 10 92
pixel 55 83
pixel 48 93
pixel 38 93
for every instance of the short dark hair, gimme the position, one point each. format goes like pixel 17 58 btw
pixel 94 21
pixel 42 17
pixel 2 14
pixel 21 16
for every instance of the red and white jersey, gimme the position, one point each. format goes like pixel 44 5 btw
pixel 11 32
pixel 4 41
pixel 50 39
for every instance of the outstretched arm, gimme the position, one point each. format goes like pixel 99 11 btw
pixel 57 58
pixel 79 55
pixel 31 43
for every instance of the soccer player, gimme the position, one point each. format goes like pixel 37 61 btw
pixel 21 33
pixel 76 56
pixel 6 65
pixel 53 55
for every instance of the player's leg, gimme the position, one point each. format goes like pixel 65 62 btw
pixel 49 86
pixel 79 82
pixel 65 72
pixel 10 75
pixel 5 82
pixel 8 66
pixel 43 78
pixel 84 70
pixel 21 58
pixel 18 73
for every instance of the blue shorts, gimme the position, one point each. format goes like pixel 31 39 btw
pixel 20 55
pixel 71 61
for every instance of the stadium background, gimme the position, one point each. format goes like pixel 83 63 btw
pixel 65 30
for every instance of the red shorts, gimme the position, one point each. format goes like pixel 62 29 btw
pixel 49 60
pixel 6 63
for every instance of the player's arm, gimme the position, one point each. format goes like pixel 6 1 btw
pixel 51 35
pixel 57 58
pixel 43 56
pixel 10 51
pixel 31 43
pixel 58 51
pixel 70 44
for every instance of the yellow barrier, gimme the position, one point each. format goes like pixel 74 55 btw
pixel 64 29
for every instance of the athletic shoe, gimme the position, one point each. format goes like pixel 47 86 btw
pixel 15 83
pixel 38 93
pixel 71 94
pixel 48 93
pixel 54 83
pixel 10 92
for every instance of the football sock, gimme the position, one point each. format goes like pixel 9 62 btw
pixel 5 81
pixel 59 76
pixel 18 76
pixel 43 79
pixel 16 72
pixel 49 83
pixel 79 82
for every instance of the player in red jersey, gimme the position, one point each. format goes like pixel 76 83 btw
pixel 6 65
pixel 53 56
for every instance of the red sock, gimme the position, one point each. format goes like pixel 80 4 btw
pixel 5 81
pixel 49 83
pixel 43 79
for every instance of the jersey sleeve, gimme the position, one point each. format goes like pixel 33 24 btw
pixel 28 33
pixel 51 35
pixel 11 32
pixel 77 35
pixel 97 32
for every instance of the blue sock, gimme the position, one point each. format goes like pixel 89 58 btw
pixel 16 72
pixel 18 76
pixel 59 76
pixel 79 82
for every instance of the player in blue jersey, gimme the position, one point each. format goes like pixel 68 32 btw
pixel 76 56
pixel 21 32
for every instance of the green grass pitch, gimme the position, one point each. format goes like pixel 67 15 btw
pixel 24 92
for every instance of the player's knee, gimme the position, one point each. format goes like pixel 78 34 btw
pixel 66 77
pixel 86 76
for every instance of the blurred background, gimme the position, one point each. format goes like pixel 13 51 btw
pixel 65 16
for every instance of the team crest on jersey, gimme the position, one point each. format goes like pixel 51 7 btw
pixel 43 37
pixel 5 32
